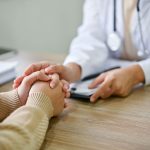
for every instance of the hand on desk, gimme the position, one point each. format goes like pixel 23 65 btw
pixel 56 95
pixel 117 82
pixel 40 82
pixel 24 88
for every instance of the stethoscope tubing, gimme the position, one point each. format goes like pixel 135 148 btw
pixel 115 34
pixel 115 13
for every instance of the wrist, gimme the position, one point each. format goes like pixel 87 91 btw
pixel 74 72
pixel 137 73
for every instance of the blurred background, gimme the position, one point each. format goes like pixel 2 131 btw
pixel 39 25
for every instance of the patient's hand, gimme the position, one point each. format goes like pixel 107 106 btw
pixel 56 95
pixel 24 88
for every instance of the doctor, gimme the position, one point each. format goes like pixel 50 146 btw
pixel 112 31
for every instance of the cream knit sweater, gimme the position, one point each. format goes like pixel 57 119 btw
pixel 25 128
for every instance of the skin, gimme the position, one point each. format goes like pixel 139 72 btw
pixel 39 82
pixel 39 67
pixel 119 82
pixel 24 88
pixel 27 82
pixel 56 95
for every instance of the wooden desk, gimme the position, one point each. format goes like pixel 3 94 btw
pixel 113 124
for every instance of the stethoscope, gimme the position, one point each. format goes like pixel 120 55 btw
pixel 114 40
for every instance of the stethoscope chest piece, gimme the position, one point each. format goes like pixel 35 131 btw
pixel 142 53
pixel 114 41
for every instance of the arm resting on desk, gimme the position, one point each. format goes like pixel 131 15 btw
pixel 9 101
pixel 25 128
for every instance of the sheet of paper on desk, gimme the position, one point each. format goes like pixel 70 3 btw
pixel 7 71
pixel 82 88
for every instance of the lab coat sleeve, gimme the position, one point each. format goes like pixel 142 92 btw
pixel 145 21
pixel 145 65
pixel 88 49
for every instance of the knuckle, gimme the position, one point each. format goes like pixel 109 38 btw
pixel 33 65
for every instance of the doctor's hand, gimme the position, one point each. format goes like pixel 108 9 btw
pixel 119 82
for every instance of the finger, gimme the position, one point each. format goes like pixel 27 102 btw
pixel 15 86
pixel 54 80
pixel 68 107
pixel 68 94
pixel 18 81
pixel 97 81
pixel 104 91
pixel 54 69
pixel 36 76
pixel 66 88
pixel 36 67
pixel 66 85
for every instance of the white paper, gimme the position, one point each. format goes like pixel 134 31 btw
pixel 6 66
pixel 7 71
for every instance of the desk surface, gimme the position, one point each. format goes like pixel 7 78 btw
pixel 113 124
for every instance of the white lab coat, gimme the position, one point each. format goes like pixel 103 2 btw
pixel 90 50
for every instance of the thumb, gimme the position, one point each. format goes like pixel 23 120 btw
pixel 54 69
pixel 97 81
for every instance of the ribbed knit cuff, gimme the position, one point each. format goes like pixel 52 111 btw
pixel 11 99
pixel 42 101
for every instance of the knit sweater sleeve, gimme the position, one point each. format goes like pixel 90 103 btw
pixel 9 101
pixel 26 127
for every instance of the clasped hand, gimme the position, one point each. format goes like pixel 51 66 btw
pixel 38 81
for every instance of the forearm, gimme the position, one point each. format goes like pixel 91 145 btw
pixel 27 126
pixel 9 101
